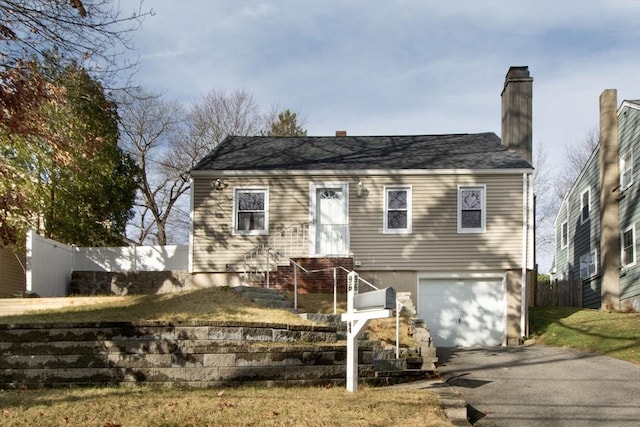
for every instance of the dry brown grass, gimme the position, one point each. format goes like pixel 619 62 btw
pixel 320 303
pixel 244 406
pixel 221 304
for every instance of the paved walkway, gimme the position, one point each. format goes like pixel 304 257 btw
pixel 542 386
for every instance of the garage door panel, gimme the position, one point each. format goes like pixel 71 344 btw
pixel 463 312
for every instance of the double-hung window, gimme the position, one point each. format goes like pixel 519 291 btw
pixel 251 211
pixel 628 242
pixel 472 215
pixel 397 209
pixel 626 170
pixel 589 264
pixel 585 205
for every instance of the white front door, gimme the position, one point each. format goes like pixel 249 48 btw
pixel 329 221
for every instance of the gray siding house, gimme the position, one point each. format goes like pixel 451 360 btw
pixel 446 218
pixel 596 225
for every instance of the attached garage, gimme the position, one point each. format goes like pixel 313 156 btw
pixel 464 312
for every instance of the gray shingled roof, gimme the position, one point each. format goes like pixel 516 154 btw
pixel 453 151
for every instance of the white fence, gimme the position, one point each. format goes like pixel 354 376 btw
pixel 132 258
pixel 50 263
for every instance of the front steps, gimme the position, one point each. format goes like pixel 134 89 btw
pixel 410 366
pixel 272 298
pixel 419 361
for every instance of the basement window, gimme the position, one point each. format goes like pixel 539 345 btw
pixel 251 215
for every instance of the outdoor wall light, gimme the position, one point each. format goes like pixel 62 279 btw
pixel 219 184
pixel 360 190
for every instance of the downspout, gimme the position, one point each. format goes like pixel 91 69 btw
pixel 191 218
pixel 531 248
pixel 525 244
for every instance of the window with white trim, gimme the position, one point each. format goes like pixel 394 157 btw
pixel 397 209
pixel 250 211
pixel 585 205
pixel 626 170
pixel 471 209
pixel 589 264
pixel 564 235
pixel 628 242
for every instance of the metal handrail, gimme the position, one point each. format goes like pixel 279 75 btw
pixel 297 265
pixel 288 242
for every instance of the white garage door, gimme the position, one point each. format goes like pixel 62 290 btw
pixel 466 312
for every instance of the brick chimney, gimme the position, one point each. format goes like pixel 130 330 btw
pixel 341 133
pixel 517 130
pixel 609 182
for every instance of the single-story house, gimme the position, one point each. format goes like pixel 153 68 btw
pixel 448 218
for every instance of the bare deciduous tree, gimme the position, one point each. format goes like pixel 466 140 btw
pixel 168 142
pixel 149 128
pixel 546 203
pixel 576 158
pixel 92 33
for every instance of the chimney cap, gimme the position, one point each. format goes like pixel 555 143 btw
pixel 341 133
pixel 518 72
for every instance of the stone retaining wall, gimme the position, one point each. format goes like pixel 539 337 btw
pixel 201 354
pixel 140 282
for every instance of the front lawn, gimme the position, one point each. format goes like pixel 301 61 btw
pixel 243 406
pixel 615 334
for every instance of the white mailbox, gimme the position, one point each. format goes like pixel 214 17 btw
pixel 382 299
pixel 361 308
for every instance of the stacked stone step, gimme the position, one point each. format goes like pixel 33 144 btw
pixel 408 308
pixel 420 331
pixel 386 365
pixel 272 298
pixel 422 336
pixel 334 321
pixel 408 366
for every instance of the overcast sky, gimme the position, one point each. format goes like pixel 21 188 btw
pixel 399 67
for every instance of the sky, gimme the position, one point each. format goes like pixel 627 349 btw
pixel 382 67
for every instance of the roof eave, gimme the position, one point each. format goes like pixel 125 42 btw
pixel 218 173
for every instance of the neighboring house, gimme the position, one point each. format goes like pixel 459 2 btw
pixel 597 224
pixel 448 218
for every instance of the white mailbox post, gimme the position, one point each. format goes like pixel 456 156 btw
pixel 360 309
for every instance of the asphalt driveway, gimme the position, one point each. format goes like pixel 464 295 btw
pixel 542 386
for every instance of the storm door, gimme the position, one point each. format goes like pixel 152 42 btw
pixel 329 221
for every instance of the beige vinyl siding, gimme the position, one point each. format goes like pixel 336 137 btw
pixel 12 275
pixel 214 245
pixel 434 243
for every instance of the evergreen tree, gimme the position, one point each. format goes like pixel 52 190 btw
pixel 287 125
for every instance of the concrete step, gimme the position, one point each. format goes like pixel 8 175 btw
pixel 412 374
pixel 264 296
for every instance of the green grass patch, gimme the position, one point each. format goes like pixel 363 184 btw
pixel 615 334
